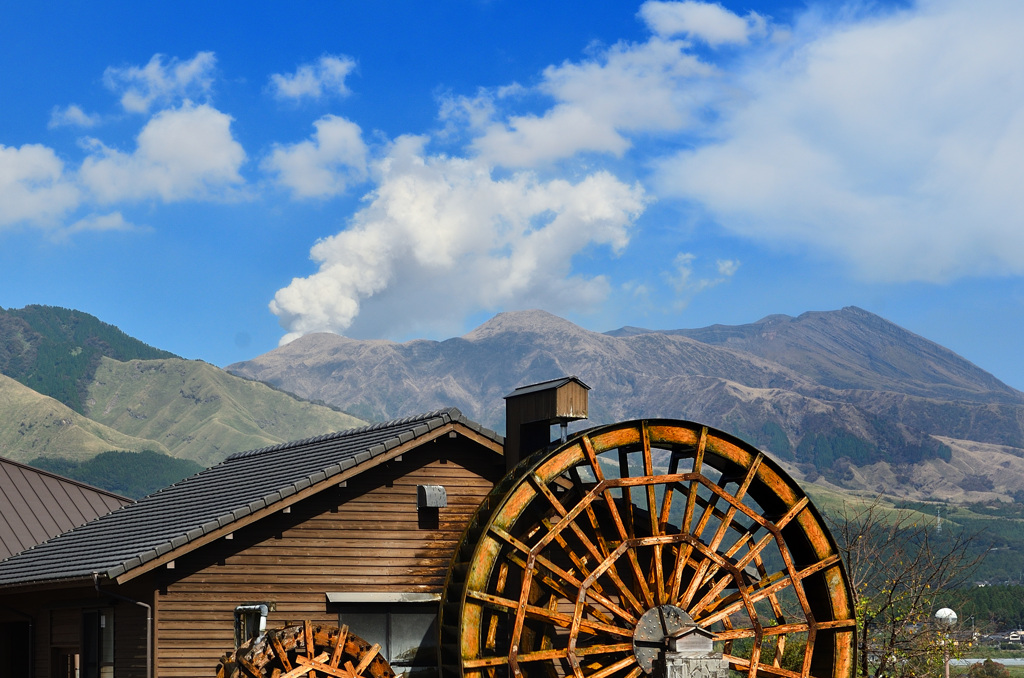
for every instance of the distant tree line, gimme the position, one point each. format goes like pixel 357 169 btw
pixel 994 608
pixel 130 474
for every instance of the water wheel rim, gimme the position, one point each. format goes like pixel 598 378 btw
pixel 526 544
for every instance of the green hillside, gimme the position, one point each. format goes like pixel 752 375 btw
pixel 130 474
pixel 55 351
pixel 86 388
pixel 199 412
pixel 33 425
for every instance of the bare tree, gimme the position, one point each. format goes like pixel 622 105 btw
pixel 901 571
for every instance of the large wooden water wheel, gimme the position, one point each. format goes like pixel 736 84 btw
pixel 306 649
pixel 584 559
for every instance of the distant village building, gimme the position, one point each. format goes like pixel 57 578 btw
pixel 356 527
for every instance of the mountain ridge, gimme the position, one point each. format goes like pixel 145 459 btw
pixel 828 392
pixel 100 390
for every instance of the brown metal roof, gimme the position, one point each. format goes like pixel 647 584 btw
pixel 36 505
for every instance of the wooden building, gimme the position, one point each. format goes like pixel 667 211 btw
pixel 356 527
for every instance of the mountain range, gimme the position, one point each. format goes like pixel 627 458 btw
pixel 844 397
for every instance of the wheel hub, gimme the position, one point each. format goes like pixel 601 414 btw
pixel 666 628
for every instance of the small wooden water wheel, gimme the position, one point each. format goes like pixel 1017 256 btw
pixel 306 649
pixel 584 561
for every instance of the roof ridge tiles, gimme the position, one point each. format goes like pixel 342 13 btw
pixel 452 413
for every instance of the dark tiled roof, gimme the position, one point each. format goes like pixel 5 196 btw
pixel 36 505
pixel 240 485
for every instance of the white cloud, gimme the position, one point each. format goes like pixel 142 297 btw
pixel 727 267
pixel 893 142
pixel 441 237
pixel 162 83
pixel 114 221
pixel 33 186
pixel 72 116
pixel 325 165
pixel 181 153
pixel 710 23
pixel 684 283
pixel 652 87
pixel 326 76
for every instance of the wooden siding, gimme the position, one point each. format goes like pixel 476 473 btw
pixel 368 536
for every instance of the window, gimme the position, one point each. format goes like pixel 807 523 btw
pixel 97 657
pixel 250 622
pixel 15 648
pixel 406 633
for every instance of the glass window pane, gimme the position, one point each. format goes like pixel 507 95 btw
pixel 413 636
pixel 369 622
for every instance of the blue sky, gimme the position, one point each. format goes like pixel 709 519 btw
pixel 215 178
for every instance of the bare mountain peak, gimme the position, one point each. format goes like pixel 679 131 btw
pixel 535 321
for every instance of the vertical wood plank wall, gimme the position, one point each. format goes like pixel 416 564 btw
pixel 368 536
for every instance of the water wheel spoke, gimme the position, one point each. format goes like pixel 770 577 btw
pixel 626 492
pixel 317 663
pixel 282 654
pixel 559 578
pixel 607 648
pixel 713 593
pixel 658 575
pixel 731 604
pixel 484 662
pixel 569 519
pixel 590 454
pixel 557 584
pixel 339 646
pixel 735 502
pixel 577 560
pixel 541 656
pixel 756 550
pixel 624 536
pixel 306 665
pixel 743 663
pixel 249 667
pixel 781 629
pixel 612 668
pixel 559 619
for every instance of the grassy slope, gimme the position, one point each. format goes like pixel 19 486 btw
pixel 200 412
pixel 997 528
pixel 38 426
